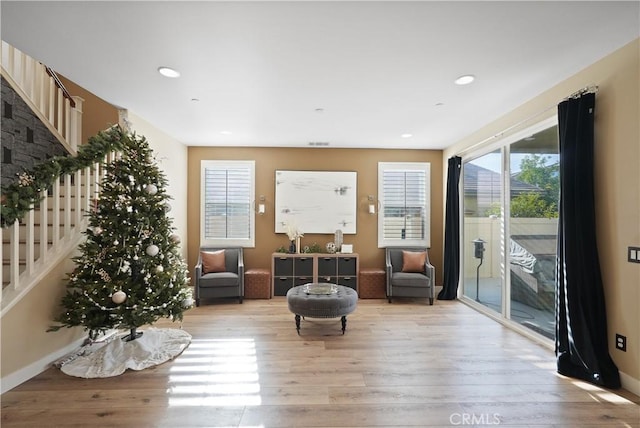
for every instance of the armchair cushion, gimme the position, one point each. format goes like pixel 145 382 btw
pixel 213 261
pixel 219 279
pixel 413 261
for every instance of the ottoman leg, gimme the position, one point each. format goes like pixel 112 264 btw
pixel 344 323
pixel 298 323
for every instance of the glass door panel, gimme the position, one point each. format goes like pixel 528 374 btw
pixel 482 232
pixel 533 230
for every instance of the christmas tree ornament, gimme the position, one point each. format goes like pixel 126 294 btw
pixel 151 189
pixel 159 269
pixel 187 303
pixel 175 238
pixel 97 230
pixel 152 250
pixel 119 297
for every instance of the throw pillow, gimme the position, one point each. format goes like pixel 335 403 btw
pixel 213 261
pixel 413 261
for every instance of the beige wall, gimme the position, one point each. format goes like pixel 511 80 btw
pixel 617 176
pixel 24 337
pixel 171 156
pixel 97 114
pixel 364 162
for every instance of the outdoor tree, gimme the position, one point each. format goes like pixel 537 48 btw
pixel 535 170
pixel 130 272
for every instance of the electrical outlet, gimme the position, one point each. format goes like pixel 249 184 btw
pixel 633 254
pixel 621 342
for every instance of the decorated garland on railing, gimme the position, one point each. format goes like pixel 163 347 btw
pixel 20 196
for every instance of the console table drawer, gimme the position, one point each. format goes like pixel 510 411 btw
pixel 327 266
pixel 303 266
pixel 347 266
pixel 282 266
pixel 281 285
pixel 348 281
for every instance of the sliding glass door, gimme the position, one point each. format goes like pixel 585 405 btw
pixel 533 227
pixel 482 230
pixel 510 202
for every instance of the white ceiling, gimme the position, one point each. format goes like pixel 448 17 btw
pixel 260 70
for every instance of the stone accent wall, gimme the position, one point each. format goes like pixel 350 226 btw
pixel 26 141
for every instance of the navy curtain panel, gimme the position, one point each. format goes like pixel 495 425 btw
pixel 452 232
pixel 581 321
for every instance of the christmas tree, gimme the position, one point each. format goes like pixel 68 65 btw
pixel 130 272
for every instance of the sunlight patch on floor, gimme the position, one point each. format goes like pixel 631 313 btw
pixel 220 372
pixel 600 394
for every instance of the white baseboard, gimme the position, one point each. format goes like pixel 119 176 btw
pixel 16 378
pixel 630 384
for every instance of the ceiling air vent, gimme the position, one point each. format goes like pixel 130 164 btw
pixel 318 143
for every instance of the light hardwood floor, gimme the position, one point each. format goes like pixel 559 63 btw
pixel 404 364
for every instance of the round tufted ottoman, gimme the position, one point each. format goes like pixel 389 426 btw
pixel 303 301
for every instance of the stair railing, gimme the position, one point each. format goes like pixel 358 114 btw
pixel 49 231
pixel 41 88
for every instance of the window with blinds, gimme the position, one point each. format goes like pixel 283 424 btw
pixel 403 192
pixel 227 216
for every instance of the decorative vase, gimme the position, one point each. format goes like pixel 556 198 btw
pixel 298 249
pixel 292 247
pixel 338 240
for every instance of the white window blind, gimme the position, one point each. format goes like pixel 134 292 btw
pixel 403 191
pixel 227 216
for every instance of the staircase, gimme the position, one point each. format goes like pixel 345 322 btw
pixel 47 234
pixel 51 230
pixel 41 89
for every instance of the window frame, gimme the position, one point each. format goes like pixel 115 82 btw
pixel 226 165
pixel 405 166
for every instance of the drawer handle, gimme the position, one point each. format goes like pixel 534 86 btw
pixel 327 258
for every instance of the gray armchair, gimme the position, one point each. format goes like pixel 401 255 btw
pixel 417 279
pixel 219 275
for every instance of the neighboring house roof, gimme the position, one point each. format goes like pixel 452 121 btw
pixel 483 181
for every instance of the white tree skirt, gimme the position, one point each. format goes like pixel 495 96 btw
pixel 154 347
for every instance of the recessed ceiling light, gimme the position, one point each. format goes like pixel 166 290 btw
pixel 226 132
pixel 439 104
pixel 465 80
pixel 195 100
pixel 319 110
pixel 168 72
pixel 407 135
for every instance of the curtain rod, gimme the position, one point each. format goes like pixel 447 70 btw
pixel 577 94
